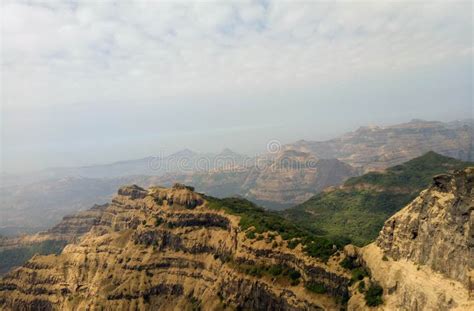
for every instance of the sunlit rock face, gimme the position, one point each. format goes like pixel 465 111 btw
pixel 167 248
pixel 423 256
pixel 435 229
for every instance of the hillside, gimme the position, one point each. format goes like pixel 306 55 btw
pixel 358 209
pixel 156 248
pixel 34 202
pixel 161 247
pixel 380 147
pixel 422 259
pixel 290 179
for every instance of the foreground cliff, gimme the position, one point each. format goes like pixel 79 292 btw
pixel 423 257
pixel 175 249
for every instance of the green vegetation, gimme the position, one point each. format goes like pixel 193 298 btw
pixel 348 263
pixel 315 287
pixel 274 271
pixel 373 295
pixel 14 257
pixel 250 235
pixel 158 221
pixel 260 220
pixel 293 243
pixel 359 273
pixel 358 210
pixel 361 286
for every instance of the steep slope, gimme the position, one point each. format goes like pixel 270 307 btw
pixel 161 249
pixel 16 251
pixel 422 258
pixel 376 148
pixel 359 208
pixel 435 229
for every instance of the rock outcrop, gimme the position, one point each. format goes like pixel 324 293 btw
pixel 423 257
pixel 165 249
pixel 436 228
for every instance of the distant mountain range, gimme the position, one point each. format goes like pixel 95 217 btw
pixel 376 148
pixel 182 161
pixel 300 170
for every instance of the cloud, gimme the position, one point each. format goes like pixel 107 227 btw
pixel 91 51
pixel 94 81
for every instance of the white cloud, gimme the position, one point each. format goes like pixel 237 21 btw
pixel 73 74
pixel 91 51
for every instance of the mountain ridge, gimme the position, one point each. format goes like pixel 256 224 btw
pixel 172 246
pixel 160 247
pixel 359 207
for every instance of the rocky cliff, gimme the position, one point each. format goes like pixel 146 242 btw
pixel 436 228
pixel 379 147
pixel 293 177
pixel 172 249
pixel 423 257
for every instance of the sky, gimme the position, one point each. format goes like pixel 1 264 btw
pixel 85 82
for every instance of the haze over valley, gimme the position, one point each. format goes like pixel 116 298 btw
pixel 248 155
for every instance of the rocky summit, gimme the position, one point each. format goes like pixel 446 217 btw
pixel 174 249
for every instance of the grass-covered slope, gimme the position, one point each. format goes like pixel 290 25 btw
pixel 256 220
pixel 358 209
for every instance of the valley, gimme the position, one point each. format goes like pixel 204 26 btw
pixel 149 248
pixel 288 177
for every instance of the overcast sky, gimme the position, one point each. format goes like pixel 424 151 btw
pixel 98 81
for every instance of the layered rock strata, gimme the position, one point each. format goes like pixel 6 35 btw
pixel 166 249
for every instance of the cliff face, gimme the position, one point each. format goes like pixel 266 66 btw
pixel 295 176
pixel 168 249
pixel 423 257
pixel 376 148
pixel 436 228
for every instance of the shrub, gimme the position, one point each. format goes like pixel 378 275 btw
pixel 275 270
pixel 293 243
pixel 361 286
pixel 316 287
pixel 348 263
pixel 359 274
pixel 250 235
pixel 373 295
pixel 294 275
